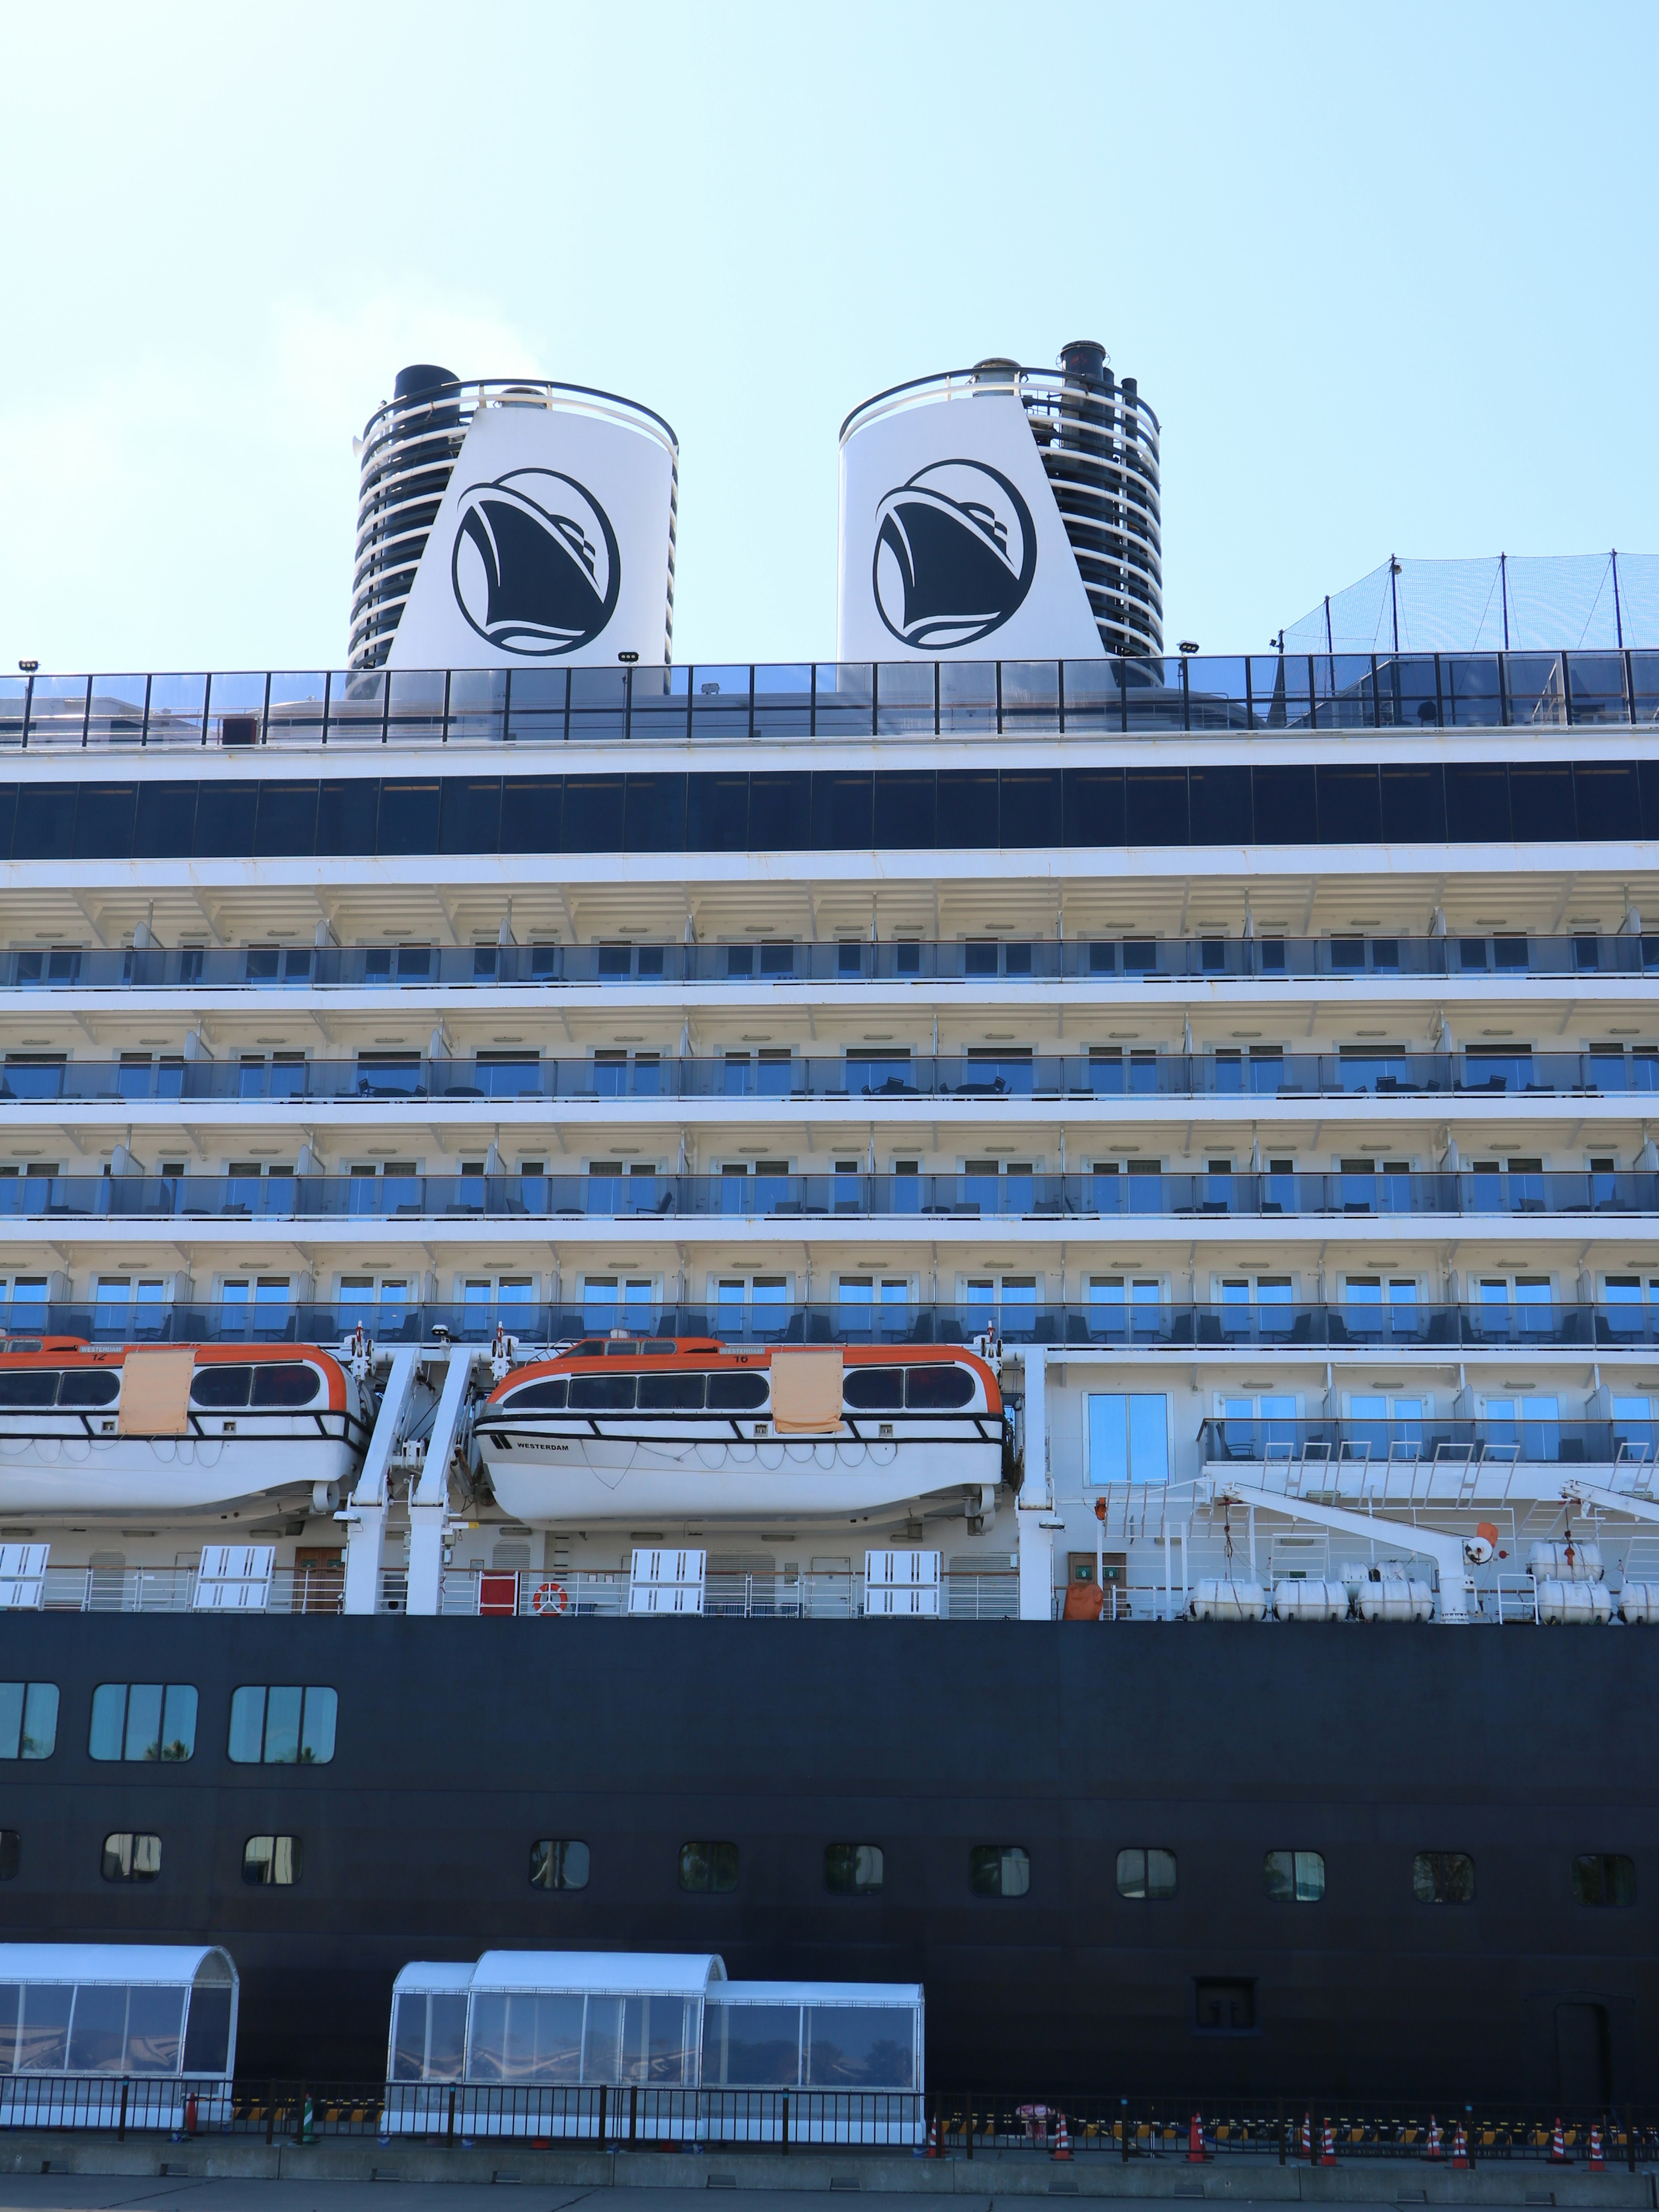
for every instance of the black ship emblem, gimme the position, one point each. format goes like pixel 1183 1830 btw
pixel 956 551
pixel 535 567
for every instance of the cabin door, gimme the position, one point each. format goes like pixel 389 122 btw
pixel 318 1577
pixel 1584 2054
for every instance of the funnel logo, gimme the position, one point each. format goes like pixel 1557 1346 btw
pixel 536 568
pixel 956 551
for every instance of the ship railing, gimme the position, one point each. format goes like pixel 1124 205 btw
pixel 1496 1600
pixel 554 1593
pixel 1419 2133
pixel 177 1589
pixel 804 703
pixel 983 1078
pixel 1422 1459
pixel 1624 1320
pixel 1359 959
pixel 1098 1195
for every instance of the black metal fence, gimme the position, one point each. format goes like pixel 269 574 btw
pixel 948 2123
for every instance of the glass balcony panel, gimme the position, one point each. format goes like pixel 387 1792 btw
pixel 537 702
pixel 415 705
pixel 13 699
pixel 1471 690
pixel 1408 696
pixel 846 696
pixel 1093 694
pixel 297 708
pixel 1348 697
pixel 478 704
pixel 597 702
pixel 1596 683
pixel 1644 684
pixel 1031 695
pixel 357 706
pixel 1538 697
pixel 719 702
pixel 1153 688
pixel 1279 696
pixel 58 710
pixel 904 693
pixel 656 702
pixel 783 700
pixel 1216 693
pixel 116 715
pixel 967 694
pixel 178 706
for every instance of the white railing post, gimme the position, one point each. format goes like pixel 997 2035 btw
pixel 1033 1514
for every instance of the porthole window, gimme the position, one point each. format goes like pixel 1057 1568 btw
pixel 708 1867
pixel 1442 1878
pixel 28 1720
pixel 131 1858
pixel 558 1864
pixel 284 1725
pixel 271 1861
pixel 998 1871
pixel 143 1721
pixel 1295 1877
pixel 11 1854
pixel 853 1870
pixel 1146 1872
pixel 1604 1878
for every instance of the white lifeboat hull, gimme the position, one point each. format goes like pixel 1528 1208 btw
pixel 78 1473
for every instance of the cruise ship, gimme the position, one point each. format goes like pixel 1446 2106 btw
pixel 1084 1218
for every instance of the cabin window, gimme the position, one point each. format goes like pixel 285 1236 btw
pixel 873 1389
pixel 736 1394
pixel 1145 1873
pixel 143 1721
pixel 671 1393
pixel 288 1382
pixel 221 1389
pixel 1128 1437
pixel 547 1397
pixel 1295 1877
pixel 711 1867
pixel 285 1725
pixel 558 1864
pixel 28 1720
pixel 853 1870
pixel 602 1394
pixel 936 1389
pixel 998 1871
pixel 1603 1878
pixel 271 1861
pixel 128 1857
pixel 1442 1878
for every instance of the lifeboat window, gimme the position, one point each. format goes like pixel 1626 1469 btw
pixel 89 1386
pixel 547 1397
pixel 853 1870
pixel 708 1867
pixel 1604 1878
pixel 11 1854
pixel 131 1858
pixel 291 1383
pixel 671 1393
pixel 1442 1878
pixel 221 1389
pixel 998 1871
pixel 1145 1874
pixel 591 1348
pixel 28 1720
pixel 152 1722
pixel 558 1862
pixel 736 1394
pixel 602 1394
pixel 271 1861
pixel 28 1385
pixel 935 1389
pixel 873 1389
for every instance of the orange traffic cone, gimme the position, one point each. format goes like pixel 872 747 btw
pixel 1433 2147
pixel 1327 2154
pixel 1062 2142
pixel 1307 2137
pixel 933 2137
pixel 1557 2145
pixel 1598 2164
pixel 1460 2148
pixel 1196 2141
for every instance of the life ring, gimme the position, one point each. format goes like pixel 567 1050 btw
pixel 550 1597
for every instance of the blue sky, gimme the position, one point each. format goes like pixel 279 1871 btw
pixel 1386 274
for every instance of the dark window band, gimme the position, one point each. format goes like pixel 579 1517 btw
pixel 835 810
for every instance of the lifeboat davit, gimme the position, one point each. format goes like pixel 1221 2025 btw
pixel 641 1428
pixel 175 1427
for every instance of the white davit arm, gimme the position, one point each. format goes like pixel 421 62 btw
pixel 1446 1552
pixel 429 1502
pixel 365 1515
